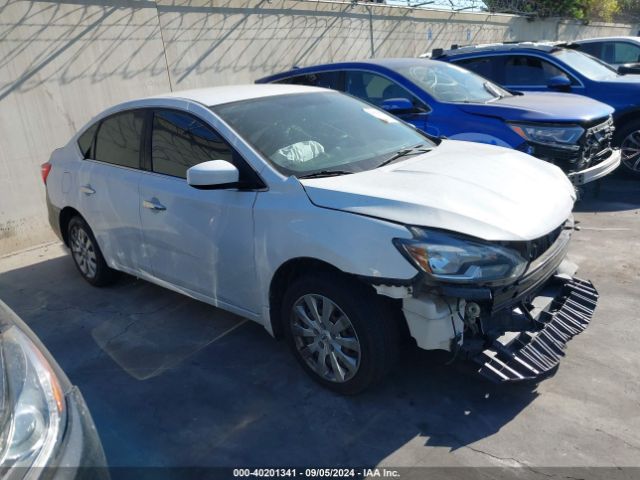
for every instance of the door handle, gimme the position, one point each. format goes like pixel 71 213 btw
pixel 153 205
pixel 87 190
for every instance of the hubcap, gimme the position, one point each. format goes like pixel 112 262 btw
pixel 325 338
pixel 83 252
pixel 631 151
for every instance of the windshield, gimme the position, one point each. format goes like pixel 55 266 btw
pixel 304 133
pixel 450 83
pixel 586 65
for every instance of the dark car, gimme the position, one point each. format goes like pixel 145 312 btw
pixel 446 101
pixel 622 53
pixel 548 67
pixel 46 430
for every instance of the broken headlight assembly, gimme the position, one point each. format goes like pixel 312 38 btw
pixel 450 258
pixel 32 405
pixel 566 136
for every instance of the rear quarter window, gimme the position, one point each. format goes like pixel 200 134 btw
pixel 85 141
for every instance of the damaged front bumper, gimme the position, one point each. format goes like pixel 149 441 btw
pixel 597 171
pixel 516 331
pixel 531 353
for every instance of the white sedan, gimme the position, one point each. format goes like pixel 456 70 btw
pixel 329 222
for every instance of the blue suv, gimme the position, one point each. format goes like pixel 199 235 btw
pixel 545 67
pixel 442 100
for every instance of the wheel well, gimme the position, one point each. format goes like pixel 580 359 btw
pixel 66 215
pixel 624 119
pixel 287 273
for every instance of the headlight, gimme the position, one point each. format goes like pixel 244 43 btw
pixel 32 405
pixel 458 260
pixel 549 135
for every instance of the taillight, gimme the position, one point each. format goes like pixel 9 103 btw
pixel 45 168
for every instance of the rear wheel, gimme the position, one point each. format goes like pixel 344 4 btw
pixel 629 140
pixel 343 334
pixel 87 255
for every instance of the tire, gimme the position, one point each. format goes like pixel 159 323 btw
pixel 628 139
pixel 345 356
pixel 86 254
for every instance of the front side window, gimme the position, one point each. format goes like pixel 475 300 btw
pixel 528 70
pixel 586 65
pixel 451 83
pixel 118 139
pixel 179 141
pixel 625 52
pixel 305 133
pixel 374 88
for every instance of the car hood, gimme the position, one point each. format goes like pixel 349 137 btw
pixel 542 107
pixel 484 191
pixel 630 81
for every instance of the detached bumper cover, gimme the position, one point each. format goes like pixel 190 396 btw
pixel 533 353
pixel 605 167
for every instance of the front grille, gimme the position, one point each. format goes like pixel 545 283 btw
pixel 545 255
pixel 532 249
pixel 595 145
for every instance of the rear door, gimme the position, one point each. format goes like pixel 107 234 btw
pixel 200 241
pixel 108 194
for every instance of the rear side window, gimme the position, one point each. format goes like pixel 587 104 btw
pixel 488 67
pixel 180 141
pixel 85 141
pixel 331 80
pixel 118 139
pixel 592 48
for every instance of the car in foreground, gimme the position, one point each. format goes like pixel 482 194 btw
pixel 46 430
pixel 447 101
pixel 622 53
pixel 544 67
pixel 329 222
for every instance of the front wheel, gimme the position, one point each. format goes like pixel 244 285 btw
pixel 629 140
pixel 343 334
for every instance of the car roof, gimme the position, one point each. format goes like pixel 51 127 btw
pixel 211 96
pixel 388 63
pixel 500 47
pixel 608 39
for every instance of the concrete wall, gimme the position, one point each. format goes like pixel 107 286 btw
pixel 61 62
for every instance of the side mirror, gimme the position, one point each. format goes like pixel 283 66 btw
pixel 214 174
pixel 398 105
pixel 559 82
pixel 629 68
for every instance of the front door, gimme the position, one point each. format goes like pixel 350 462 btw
pixel 200 241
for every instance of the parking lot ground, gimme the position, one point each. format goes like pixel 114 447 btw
pixel 173 382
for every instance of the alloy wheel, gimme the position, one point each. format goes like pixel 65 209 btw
pixel 325 337
pixel 83 252
pixel 631 151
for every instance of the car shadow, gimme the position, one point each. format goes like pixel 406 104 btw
pixel 174 382
pixel 617 192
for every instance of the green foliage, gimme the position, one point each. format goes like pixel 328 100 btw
pixel 580 9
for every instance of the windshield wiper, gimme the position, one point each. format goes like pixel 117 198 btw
pixel 325 173
pixel 405 152
pixel 489 87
